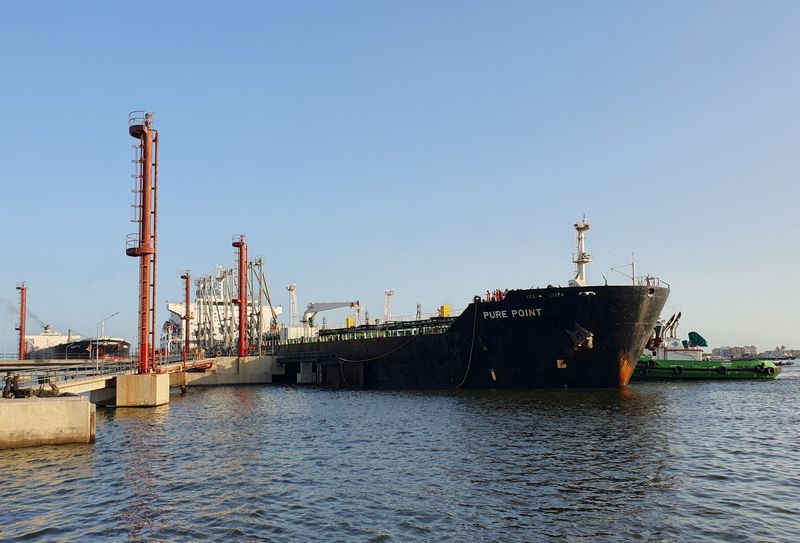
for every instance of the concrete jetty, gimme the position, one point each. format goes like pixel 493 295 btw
pixel 231 370
pixel 27 422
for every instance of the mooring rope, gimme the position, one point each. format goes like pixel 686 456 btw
pixel 448 359
pixel 469 362
pixel 471 347
pixel 343 360
pixel 341 369
pixel 384 354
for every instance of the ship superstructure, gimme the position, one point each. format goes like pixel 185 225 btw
pixel 49 338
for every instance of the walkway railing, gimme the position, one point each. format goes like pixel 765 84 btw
pixel 41 377
pixel 33 357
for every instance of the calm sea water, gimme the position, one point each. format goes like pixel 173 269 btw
pixel 714 461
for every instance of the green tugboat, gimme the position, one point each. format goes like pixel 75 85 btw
pixel 668 358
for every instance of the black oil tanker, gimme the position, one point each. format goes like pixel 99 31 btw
pixel 577 336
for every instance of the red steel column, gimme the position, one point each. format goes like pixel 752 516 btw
pixel 242 299
pixel 145 231
pixel 154 245
pixel 23 289
pixel 187 316
pixel 145 249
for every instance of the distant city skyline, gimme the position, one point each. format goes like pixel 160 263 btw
pixel 439 150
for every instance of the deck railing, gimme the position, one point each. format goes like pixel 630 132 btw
pixel 425 327
pixel 650 281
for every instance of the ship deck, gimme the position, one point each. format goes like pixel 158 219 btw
pixel 433 325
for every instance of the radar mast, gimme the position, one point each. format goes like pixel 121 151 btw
pixel 582 258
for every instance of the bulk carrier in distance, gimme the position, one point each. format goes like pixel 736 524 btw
pixel 575 336
pixel 52 345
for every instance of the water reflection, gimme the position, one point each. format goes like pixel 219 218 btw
pixel 33 478
pixel 293 463
pixel 140 480
pixel 582 456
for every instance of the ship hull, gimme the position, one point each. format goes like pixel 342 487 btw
pixel 538 338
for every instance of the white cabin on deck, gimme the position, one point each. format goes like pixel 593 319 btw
pixel 672 349
pixel 49 338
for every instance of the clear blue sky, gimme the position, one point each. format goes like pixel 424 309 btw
pixel 436 148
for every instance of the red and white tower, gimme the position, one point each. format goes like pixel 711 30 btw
pixel 143 243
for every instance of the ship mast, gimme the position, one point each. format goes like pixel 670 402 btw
pixel 292 304
pixel 582 258
pixel 387 304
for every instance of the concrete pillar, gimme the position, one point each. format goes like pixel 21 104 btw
pixel 306 374
pixel 27 422
pixel 277 369
pixel 103 396
pixel 145 390
pixel 179 379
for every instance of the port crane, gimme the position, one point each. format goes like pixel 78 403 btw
pixel 313 308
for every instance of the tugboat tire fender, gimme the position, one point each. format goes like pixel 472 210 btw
pixel 651 363
pixel 770 371
pixel 722 370
pixel 642 371
pixel 678 370
pixel 760 367
pixel 476 299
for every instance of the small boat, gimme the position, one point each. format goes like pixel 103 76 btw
pixel 667 357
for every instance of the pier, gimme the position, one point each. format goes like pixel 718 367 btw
pixel 52 378
pixel 55 401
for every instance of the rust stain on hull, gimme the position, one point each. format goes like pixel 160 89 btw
pixel 626 367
